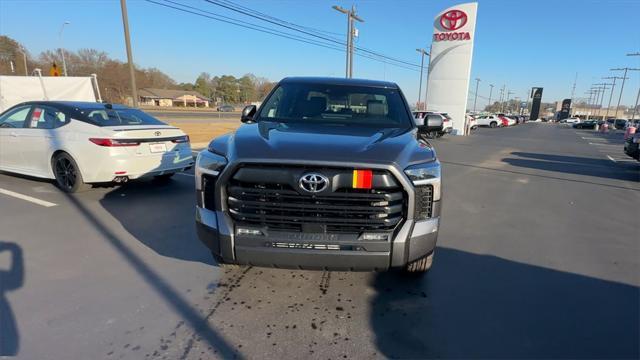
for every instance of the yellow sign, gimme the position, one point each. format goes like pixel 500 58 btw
pixel 54 71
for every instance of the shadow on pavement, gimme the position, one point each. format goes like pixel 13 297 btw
pixel 181 306
pixel 10 280
pixel 573 165
pixel 160 215
pixel 480 306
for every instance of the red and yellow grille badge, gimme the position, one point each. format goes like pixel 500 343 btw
pixel 362 179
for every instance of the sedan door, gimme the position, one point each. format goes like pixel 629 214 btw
pixel 39 139
pixel 11 126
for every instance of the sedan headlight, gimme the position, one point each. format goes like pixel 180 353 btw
pixel 210 164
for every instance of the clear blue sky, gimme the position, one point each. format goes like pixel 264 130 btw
pixel 520 43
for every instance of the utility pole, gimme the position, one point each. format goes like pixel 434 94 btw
pixel 625 69
pixel 613 85
pixel 475 99
pixel 127 40
pixel 602 87
pixel 351 15
pixel 635 107
pixel 502 97
pixel 490 93
pixel 64 63
pixel 426 87
pixel 24 59
pixel 573 91
pixel 423 53
pixel 508 98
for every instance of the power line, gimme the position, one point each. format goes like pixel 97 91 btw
pixel 281 23
pixel 225 19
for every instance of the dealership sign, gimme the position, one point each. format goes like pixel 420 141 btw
pixel 450 62
pixel 450 22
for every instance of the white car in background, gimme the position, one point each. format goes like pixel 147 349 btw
pixel 82 143
pixel 489 120
pixel 572 120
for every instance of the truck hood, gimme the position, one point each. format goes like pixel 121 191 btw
pixel 308 142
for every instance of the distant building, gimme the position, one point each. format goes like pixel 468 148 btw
pixel 168 97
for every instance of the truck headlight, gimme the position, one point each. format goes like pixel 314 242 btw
pixel 208 163
pixel 426 171
pixel 425 175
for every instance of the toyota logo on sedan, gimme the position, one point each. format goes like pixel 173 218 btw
pixel 453 20
pixel 313 182
pixel 157 133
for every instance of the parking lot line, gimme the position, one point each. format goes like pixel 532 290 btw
pixel 27 198
pixel 610 158
pixel 601 144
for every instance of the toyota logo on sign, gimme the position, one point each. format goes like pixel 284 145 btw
pixel 313 182
pixel 453 20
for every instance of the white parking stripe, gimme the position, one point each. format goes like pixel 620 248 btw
pixel 600 144
pixel 27 198
pixel 610 158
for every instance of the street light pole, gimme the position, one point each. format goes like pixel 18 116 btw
pixel 475 99
pixel 351 15
pixel 64 63
pixel 127 40
pixel 24 58
pixel 490 93
pixel 508 97
pixel 422 53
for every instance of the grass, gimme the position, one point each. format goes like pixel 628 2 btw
pixel 205 132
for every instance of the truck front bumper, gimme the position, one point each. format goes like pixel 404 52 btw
pixel 281 249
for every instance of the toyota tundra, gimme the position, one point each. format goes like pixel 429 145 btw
pixel 326 174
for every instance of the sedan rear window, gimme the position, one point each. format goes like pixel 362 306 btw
pixel 118 117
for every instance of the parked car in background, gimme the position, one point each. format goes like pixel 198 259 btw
pixel 507 121
pixel 620 124
pixel 82 143
pixel 226 108
pixel 588 124
pixel 632 146
pixel 572 120
pixel 491 121
pixel 472 122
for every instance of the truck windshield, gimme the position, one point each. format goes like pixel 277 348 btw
pixel 118 117
pixel 336 105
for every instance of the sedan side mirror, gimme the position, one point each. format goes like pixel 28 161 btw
pixel 247 114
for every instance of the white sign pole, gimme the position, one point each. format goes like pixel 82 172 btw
pixel 450 62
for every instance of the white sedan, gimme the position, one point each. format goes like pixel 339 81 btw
pixel 572 120
pixel 82 143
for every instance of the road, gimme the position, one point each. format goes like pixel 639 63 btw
pixel 195 116
pixel 538 256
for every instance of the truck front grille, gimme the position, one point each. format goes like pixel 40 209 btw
pixel 280 206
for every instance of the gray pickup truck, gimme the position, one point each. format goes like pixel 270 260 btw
pixel 327 174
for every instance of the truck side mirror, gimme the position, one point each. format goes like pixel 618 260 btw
pixel 247 114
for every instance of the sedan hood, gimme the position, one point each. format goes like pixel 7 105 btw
pixel 305 142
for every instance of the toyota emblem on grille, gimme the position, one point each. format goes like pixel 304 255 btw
pixel 157 133
pixel 313 182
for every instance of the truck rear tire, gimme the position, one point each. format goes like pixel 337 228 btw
pixel 420 266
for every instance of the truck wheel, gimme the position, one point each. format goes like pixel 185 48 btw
pixel 222 264
pixel 421 265
pixel 493 124
pixel 67 174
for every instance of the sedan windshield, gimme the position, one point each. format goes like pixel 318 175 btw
pixel 336 105
pixel 118 117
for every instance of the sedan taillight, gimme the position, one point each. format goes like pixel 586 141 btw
pixel 181 139
pixel 112 142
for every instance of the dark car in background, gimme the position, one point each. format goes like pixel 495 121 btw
pixel 632 146
pixel 226 108
pixel 588 124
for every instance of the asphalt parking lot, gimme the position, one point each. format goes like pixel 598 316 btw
pixel 538 257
